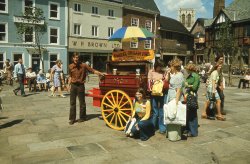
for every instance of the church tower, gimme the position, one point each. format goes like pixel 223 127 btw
pixel 187 17
pixel 218 5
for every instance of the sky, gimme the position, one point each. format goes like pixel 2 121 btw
pixel 203 8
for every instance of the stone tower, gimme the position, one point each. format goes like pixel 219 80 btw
pixel 218 5
pixel 187 17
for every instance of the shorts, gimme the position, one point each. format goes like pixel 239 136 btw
pixel 210 94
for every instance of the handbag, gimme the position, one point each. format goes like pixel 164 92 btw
pixel 192 101
pixel 157 88
pixel 178 116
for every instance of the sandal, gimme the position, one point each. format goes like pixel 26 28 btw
pixel 221 118
pixel 203 116
pixel 62 96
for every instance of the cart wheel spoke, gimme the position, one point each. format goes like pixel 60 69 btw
pixel 125 114
pixel 117 98
pixel 113 98
pixel 123 118
pixel 110 114
pixel 107 105
pixel 119 118
pixel 124 104
pixel 110 101
pixel 125 109
pixel 112 118
pixel 120 101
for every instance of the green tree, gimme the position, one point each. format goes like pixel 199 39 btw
pixel 33 27
pixel 225 44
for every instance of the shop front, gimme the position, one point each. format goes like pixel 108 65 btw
pixel 95 51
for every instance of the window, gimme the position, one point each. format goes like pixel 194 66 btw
pixel 135 22
pixel 3 6
pixel 189 20
pixel 183 19
pixel 77 7
pixel 110 31
pixel 54 36
pixel 247 31
pixel 169 35
pixel 217 35
pixel 148 25
pixel 52 60
pixel 1 60
pixel 28 5
pixel 94 30
pixel 147 44
pixel 94 10
pixel 16 57
pixel 77 29
pixel 28 35
pixel 111 13
pixel 3 32
pixel 133 44
pixel 54 10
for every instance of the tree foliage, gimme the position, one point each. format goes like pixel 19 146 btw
pixel 33 27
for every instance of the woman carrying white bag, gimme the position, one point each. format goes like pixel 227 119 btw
pixel 176 85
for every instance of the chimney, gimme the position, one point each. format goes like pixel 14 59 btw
pixel 218 5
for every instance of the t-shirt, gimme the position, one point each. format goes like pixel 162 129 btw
pixel 247 77
pixel 214 76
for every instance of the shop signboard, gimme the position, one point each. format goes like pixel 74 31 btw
pixel 133 55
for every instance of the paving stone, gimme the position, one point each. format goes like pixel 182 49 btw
pixel 240 157
pixel 63 143
pixel 86 150
pixel 24 139
pixel 5 159
pixel 46 156
pixel 42 128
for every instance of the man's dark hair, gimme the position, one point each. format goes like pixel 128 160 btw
pixel 218 56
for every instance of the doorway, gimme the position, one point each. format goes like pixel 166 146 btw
pixel 35 60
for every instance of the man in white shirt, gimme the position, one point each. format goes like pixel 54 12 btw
pixel 245 80
pixel 19 75
pixel 31 78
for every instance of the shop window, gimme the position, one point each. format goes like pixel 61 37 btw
pixel 77 29
pixel 148 25
pixel 95 31
pixel 16 57
pixel 54 10
pixel 54 36
pixel 110 31
pixel 29 35
pixel 3 32
pixel 135 22
pixel 147 44
pixel 3 6
pixel 1 60
pixel 133 44
pixel 52 60
pixel 77 7
pixel 28 5
pixel 111 13
pixel 94 10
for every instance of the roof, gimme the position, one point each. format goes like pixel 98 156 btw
pixel 238 10
pixel 169 24
pixel 208 22
pixel 142 4
pixel 201 21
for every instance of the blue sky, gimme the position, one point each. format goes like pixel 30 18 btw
pixel 203 8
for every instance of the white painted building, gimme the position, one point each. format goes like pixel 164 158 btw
pixel 91 23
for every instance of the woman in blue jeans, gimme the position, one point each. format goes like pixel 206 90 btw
pixel 157 101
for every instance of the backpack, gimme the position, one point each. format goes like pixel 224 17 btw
pixel 157 88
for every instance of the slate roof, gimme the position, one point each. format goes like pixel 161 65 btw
pixel 208 22
pixel 201 21
pixel 169 24
pixel 143 4
pixel 238 10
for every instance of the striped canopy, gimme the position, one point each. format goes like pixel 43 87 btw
pixel 131 34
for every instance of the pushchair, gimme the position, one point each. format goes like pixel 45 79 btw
pixel 211 111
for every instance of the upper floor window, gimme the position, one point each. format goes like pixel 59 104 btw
pixel 3 6
pixel 189 20
pixel 111 13
pixel 183 19
pixel 133 44
pixel 94 10
pixel 77 7
pixel 110 31
pixel 77 29
pixel 29 35
pixel 95 31
pixel 52 60
pixel 28 6
pixel 135 22
pixel 3 32
pixel 148 25
pixel 54 35
pixel 54 10
pixel 147 44
pixel 1 60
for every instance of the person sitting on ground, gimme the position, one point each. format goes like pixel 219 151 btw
pixel 245 80
pixel 143 127
pixel 31 78
pixel 41 80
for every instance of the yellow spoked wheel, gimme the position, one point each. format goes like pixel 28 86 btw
pixel 116 109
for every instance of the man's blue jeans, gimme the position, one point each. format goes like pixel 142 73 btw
pixel 157 117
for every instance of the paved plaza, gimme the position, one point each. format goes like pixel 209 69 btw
pixel 35 129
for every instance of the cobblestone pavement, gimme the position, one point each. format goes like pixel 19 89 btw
pixel 35 129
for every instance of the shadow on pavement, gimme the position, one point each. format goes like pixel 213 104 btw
pixel 9 124
pixel 92 116
pixel 1 118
